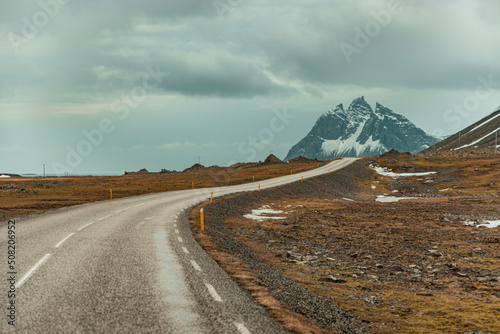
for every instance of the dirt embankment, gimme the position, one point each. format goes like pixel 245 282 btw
pixel 351 266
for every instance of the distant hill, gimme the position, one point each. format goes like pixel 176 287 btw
pixel 479 134
pixel 360 131
pixel 272 160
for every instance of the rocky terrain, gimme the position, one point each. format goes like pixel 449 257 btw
pixel 326 250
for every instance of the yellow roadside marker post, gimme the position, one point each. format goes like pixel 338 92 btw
pixel 302 179
pixel 211 197
pixel 192 184
pixel 110 193
pixel 202 220
pixel 259 187
pixel 253 178
pixel 290 172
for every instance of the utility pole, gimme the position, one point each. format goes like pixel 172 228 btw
pixel 44 171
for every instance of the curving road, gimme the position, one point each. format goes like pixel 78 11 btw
pixel 128 265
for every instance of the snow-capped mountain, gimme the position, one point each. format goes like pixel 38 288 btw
pixel 360 131
pixel 483 133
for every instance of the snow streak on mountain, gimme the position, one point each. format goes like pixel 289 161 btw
pixel 483 133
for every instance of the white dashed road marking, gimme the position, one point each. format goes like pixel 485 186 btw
pixel 185 250
pixel 195 265
pixel 242 328
pixel 32 270
pixel 213 292
pixel 105 217
pixel 63 240
pixel 84 226
pixel 177 231
pixel 179 238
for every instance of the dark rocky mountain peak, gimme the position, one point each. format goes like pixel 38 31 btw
pixel 360 131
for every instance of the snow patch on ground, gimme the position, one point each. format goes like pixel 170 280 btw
pixel 347 199
pixel 390 199
pixel 387 172
pixel 4 176
pixel 261 213
pixel 488 224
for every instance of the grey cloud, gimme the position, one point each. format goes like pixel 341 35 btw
pixel 427 45
pixel 214 73
pixel 443 45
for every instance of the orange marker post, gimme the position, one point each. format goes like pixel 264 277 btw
pixel 302 179
pixel 110 193
pixel 259 187
pixel 192 184
pixel 202 220
pixel 211 197
pixel 253 178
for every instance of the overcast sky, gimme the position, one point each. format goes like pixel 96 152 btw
pixel 104 86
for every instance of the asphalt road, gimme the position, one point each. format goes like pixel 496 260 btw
pixel 127 265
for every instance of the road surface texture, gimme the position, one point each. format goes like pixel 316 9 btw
pixel 128 265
